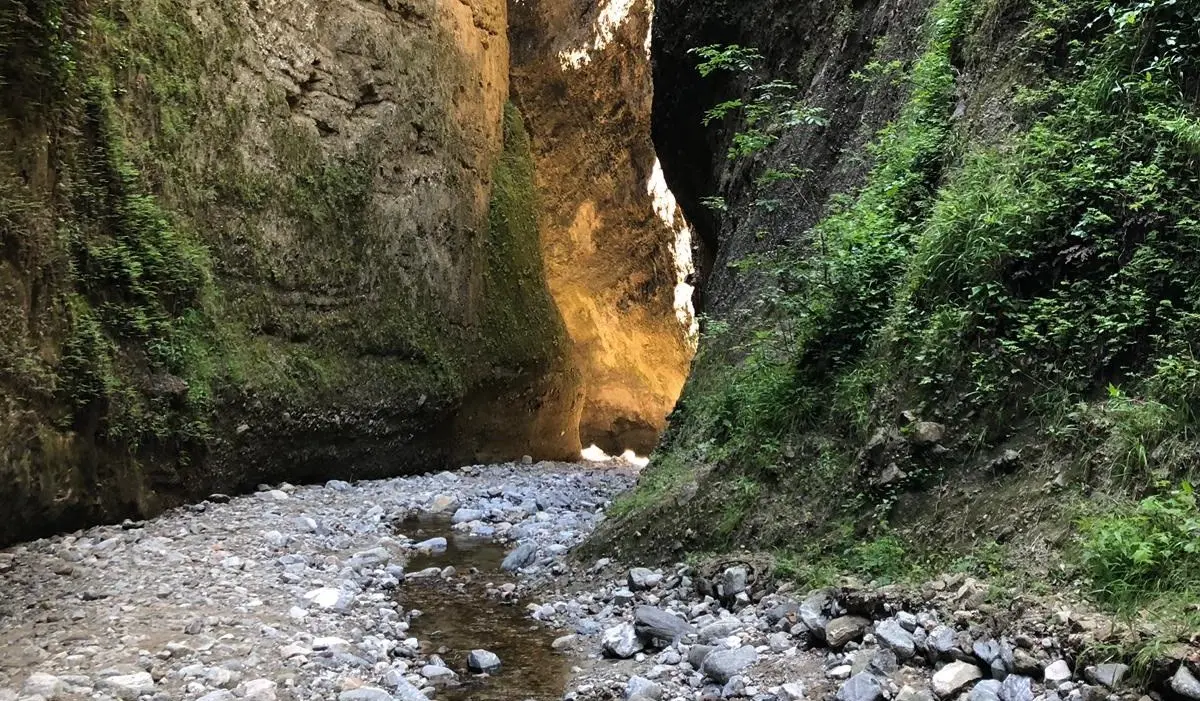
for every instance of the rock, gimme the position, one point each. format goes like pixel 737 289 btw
pixel 467 515
pixel 718 630
pixel 330 598
pixel 861 687
pixel 813 613
pixel 943 641
pixel 908 693
pixel 218 695
pixel 443 503
pixel 622 597
pixel 986 651
pixel 778 642
pixel 365 693
pixel 128 686
pixel 257 690
pixel 781 611
pixel 721 665
pixel 736 686
pixel 1016 688
pixel 403 690
pixel 1184 683
pixel 640 686
pixel 1109 674
pixel 521 557
pixel 842 630
pixel 432 545
pixel 1025 663
pixel 907 620
pixel 894 637
pixel 952 678
pixel 840 672
pixel 927 433
pixel 638 577
pixel 792 691
pixel 697 653
pixel 620 641
pixel 48 686
pixel 986 690
pixel 656 626
pixel 563 642
pixel 438 674
pixel 733 581
pixel 483 662
pixel 1057 672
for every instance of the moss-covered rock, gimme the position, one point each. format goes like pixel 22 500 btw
pixel 239 246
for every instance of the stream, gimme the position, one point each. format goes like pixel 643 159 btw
pixel 459 616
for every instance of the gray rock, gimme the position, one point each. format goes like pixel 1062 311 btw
pixel 943 641
pixel 721 665
pixel 521 557
pixel 697 653
pixel 907 620
pixel 734 581
pixel 954 677
pixel 437 544
pixel 842 630
pixel 365 693
pixel 1057 672
pixel 781 611
pixel 1025 663
pixel 721 629
pixel 620 641
pixel 48 686
pixel 467 515
pixel 986 690
pixel 1184 683
pixel 735 687
pixel 986 651
pixel 778 642
pixel 894 637
pixel 127 686
pixel 1016 688
pixel 908 693
pixel 792 691
pixel 403 690
pixel 483 662
pixel 813 613
pixel 218 695
pixel 638 578
pixel 640 686
pixel 257 690
pixel 656 626
pixel 1109 674
pixel 861 687
pixel 438 674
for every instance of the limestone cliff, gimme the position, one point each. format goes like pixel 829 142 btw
pixel 581 74
pixel 251 240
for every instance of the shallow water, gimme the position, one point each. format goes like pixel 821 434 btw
pixel 457 619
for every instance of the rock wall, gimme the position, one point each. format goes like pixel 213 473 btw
pixel 263 240
pixel 582 76
pixel 909 206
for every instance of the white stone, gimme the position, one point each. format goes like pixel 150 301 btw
pixel 952 678
pixel 128 686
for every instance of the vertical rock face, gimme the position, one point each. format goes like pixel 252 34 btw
pixel 246 241
pixel 581 74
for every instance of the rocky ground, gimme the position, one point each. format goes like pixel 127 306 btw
pixel 307 593
pixel 290 593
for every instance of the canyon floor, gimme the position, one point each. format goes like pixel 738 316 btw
pixel 461 586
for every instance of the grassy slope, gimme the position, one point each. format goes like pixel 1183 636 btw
pixel 1031 287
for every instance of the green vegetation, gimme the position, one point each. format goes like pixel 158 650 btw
pixel 516 293
pixel 1035 285
pixel 1136 553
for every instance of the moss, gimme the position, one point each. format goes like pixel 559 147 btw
pixel 516 293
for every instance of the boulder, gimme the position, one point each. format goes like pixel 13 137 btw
pixel 620 641
pixel 894 637
pixel 1184 683
pixel 722 665
pixel 954 677
pixel 843 629
pixel 1109 674
pixel 522 556
pixel 861 687
pixel 659 628
pixel 483 662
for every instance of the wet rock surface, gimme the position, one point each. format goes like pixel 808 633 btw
pixel 304 593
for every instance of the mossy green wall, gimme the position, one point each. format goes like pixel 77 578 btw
pixel 206 293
